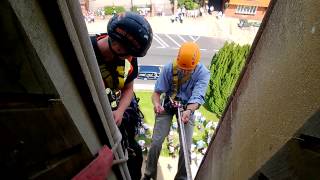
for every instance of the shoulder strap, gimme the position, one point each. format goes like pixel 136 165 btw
pixel 100 36
pixel 176 82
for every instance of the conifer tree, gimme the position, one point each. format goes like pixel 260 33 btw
pixel 225 69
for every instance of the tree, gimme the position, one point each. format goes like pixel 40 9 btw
pixel 188 4
pixel 225 69
pixel 86 5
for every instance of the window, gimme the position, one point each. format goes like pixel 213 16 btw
pixel 246 9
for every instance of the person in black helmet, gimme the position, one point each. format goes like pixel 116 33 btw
pixel 129 36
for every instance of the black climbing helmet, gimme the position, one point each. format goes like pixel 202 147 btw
pixel 133 31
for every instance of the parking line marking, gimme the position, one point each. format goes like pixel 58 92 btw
pixel 194 39
pixel 197 39
pixel 191 38
pixel 162 45
pixel 161 40
pixel 200 49
pixel 173 40
pixel 181 38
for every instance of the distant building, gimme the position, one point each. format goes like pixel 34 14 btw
pixel 246 9
pixel 159 6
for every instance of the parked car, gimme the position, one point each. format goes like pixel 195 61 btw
pixel 149 72
pixel 243 23
pixel 256 24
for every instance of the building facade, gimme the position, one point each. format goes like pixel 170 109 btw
pixel 246 9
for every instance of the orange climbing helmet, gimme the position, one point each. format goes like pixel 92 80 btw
pixel 188 56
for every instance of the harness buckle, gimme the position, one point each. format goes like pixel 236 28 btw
pixel 114 98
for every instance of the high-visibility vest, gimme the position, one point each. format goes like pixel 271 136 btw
pixel 115 79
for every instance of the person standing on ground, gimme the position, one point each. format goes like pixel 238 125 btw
pixel 129 36
pixel 211 9
pixel 184 80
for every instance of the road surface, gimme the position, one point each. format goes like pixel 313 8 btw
pixel 164 48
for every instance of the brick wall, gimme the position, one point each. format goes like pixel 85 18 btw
pixel 231 12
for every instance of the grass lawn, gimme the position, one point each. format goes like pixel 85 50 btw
pixel 147 108
pixel 209 115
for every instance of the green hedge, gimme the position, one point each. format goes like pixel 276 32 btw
pixel 225 69
pixel 188 4
pixel 109 9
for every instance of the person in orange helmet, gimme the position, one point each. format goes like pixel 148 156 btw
pixel 184 80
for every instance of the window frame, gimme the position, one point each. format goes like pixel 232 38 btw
pixel 248 10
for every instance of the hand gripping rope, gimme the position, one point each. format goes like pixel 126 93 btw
pixel 183 139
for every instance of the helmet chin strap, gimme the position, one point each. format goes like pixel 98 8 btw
pixel 110 47
pixel 114 53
